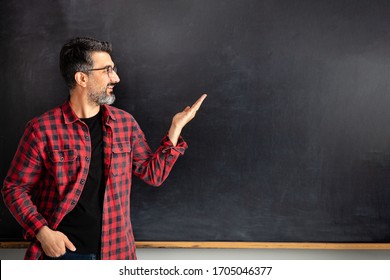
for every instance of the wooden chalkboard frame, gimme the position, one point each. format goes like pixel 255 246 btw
pixel 240 245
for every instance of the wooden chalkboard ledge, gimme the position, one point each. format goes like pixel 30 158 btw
pixel 241 245
pixel 264 245
pixel 13 245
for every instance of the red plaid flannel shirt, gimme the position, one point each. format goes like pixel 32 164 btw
pixel 51 165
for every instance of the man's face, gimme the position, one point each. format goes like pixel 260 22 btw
pixel 101 82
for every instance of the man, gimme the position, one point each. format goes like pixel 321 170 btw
pixel 69 182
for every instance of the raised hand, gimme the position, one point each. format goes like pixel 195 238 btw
pixel 182 118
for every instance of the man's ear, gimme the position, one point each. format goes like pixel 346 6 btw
pixel 81 79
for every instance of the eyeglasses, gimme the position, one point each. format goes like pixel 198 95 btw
pixel 109 70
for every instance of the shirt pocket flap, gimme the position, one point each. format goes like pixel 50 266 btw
pixel 63 155
pixel 121 147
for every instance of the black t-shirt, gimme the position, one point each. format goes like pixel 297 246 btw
pixel 83 224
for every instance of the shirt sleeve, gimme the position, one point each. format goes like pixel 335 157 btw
pixel 154 168
pixel 24 173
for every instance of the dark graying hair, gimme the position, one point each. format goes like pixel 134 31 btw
pixel 75 56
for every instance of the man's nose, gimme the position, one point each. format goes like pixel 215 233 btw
pixel 115 78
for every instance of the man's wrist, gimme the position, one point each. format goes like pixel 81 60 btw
pixel 174 134
pixel 42 232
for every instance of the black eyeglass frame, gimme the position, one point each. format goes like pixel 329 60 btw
pixel 109 69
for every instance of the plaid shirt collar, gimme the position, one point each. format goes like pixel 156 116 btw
pixel 71 117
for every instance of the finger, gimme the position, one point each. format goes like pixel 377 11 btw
pixel 56 252
pixel 199 102
pixel 69 244
pixel 59 250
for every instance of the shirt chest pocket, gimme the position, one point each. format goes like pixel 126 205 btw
pixel 64 166
pixel 121 158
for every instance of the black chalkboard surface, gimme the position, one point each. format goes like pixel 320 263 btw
pixel 292 143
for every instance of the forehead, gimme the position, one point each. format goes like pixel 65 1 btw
pixel 101 59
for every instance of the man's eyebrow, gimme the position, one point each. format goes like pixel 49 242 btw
pixel 106 66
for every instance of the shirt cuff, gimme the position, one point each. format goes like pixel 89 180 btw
pixel 32 232
pixel 173 150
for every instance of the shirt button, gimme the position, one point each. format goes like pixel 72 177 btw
pixel 61 158
pixel 87 158
pixel 87 137
pixel 82 181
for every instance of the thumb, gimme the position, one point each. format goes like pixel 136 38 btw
pixel 69 244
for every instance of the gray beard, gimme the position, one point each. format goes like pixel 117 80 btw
pixel 101 99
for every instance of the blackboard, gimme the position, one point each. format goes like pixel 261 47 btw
pixel 292 143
